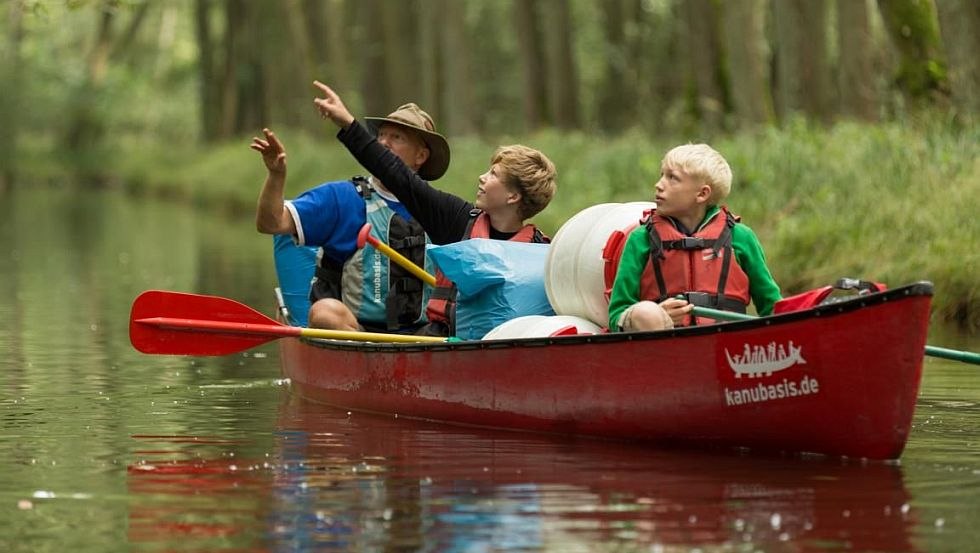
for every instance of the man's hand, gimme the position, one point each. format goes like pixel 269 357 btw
pixel 331 107
pixel 273 152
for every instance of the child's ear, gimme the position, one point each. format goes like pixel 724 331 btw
pixel 704 193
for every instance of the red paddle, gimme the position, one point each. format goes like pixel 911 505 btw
pixel 177 323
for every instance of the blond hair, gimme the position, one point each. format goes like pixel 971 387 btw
pixel 530 173
pixel 703 163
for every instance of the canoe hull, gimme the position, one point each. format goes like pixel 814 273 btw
pixel 839 379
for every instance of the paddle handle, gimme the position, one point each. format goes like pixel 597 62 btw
pixel 364 236
pixel 932 351
pixel 953 354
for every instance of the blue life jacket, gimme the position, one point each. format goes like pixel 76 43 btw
pixel 381 294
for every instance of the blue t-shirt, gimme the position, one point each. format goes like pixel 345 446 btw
pixel 330 215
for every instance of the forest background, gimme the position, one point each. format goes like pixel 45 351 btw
pixel 851 125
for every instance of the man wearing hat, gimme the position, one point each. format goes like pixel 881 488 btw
pixel 358 288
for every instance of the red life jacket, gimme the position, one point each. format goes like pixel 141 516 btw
pixel 701 267
pixel 442 303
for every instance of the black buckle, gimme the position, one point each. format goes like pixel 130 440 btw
pixel 686 243
pixel 700 299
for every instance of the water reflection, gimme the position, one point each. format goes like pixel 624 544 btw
pixel 480 490
pixel 340 482
pixel 354 482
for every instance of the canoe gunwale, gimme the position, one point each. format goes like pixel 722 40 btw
pixel 920 288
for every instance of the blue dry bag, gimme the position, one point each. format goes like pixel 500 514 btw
pixel 295 267
pixel 497 281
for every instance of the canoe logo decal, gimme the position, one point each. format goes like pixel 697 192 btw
pixel 757 361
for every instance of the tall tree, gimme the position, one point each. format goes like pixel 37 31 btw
pixel 399 21
pixel 856 76
pixel 338 67
pixel 295 71
pixel 748 60
pixel 563 75
pixel 704 60
pixel 914 30
pixel 458 92
pixel 802 62
pixel 430 71
pixel 209 99
pixel 11 83
pixel 85 125
pixel 960 25
pixel 370 45
pixel 614 91
pixel 530 43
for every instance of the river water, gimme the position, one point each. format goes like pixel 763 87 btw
pixel 105 449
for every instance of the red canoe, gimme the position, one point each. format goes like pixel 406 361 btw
pixel 839 379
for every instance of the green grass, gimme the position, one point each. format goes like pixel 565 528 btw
pixel 895 202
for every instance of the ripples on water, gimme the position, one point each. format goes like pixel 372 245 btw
pixel 104 449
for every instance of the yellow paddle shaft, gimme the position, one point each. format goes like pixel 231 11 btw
pixel 402 260
pixel 366 336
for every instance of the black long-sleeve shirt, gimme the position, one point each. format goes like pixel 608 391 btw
pixel 444 216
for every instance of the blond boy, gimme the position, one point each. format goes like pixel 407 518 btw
pixel 689 246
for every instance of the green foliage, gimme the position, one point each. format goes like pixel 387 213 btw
pixel 893 203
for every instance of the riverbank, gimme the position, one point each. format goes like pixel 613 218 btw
pixel 894 203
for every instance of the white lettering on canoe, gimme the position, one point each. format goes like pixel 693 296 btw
pixel 806 386
pixel 377 276
pixel 756 361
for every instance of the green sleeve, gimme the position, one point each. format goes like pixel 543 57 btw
pixel 626 286
pixel 748 252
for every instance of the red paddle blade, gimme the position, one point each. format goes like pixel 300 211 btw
pixel 176 323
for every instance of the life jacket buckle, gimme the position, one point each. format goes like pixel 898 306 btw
pixel 689 243
pixel 700 299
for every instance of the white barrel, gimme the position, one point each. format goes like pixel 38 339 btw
pixel 574 268
pixel 540 326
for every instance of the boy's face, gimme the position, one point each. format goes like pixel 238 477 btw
pixel 679 194
pixel 493 193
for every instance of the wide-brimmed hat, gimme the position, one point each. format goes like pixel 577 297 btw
pixel 412 116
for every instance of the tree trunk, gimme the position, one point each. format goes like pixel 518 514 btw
pixel 338 73
pixel 85 126
pixel 748 61
pixel 914 31
pixel 530 44
pixel 458 95
pixel 704 61
pixel 11 75
pixel 123 46
pixel 802 65
pixel 960 25
pixel 300 66
pixel 398 21
pixel 614 91
pixel 564 79
pixel 210 107
pixel 374 82
pixel 228 85
pixel 856 76
pixel 430 64
pixel 317 24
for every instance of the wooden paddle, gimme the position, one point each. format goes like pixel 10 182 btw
pixel 364 236
pixel 932 351
pixel 178 323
